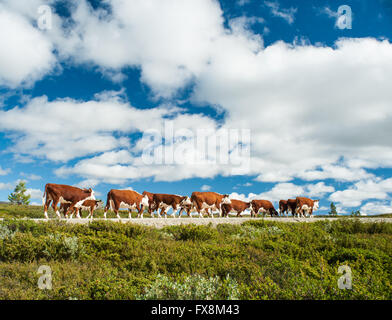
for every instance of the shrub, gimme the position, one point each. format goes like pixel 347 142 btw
pixel 195 287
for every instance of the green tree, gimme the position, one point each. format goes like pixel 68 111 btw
pixel 333 211
pixel 356 213
pixel 19 195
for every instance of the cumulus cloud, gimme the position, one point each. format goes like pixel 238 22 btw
pixel 27 54
pixel 327 122
pixel 363 190
pixel 287 191
pixel 35 193
pixel 6 186
pixel 205 187
pixel 373 208
pixel 315 112
pixel 65 129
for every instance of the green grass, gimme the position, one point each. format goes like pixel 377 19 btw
pixel 255 260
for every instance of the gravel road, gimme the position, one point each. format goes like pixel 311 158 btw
pixel 162 222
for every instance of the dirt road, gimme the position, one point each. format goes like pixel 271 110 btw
pixel 162 222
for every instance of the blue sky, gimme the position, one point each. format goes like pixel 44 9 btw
pixel 76 98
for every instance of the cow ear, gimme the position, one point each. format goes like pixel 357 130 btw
pixel 90 190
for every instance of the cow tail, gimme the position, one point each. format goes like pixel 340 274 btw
pixel 44 195
pixel 108 202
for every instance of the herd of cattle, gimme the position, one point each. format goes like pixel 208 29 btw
pixel 72 200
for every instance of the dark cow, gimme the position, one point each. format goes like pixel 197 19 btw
pixel 89 205
pixel 263 206
pixel 291 205
pixel 59 193
pixel 128 199
pixel 283 207
pixel 236 206
pixel 203 201
pixel 305 206
pixel 167 201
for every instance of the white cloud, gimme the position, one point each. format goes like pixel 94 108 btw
pixel 205 188
pixel 333 15
pixel 6 186
pixel 287 191
pixel 286 14
pixel 363 190
pixel 26 54
pixel 35 193
pixel 373 208
pixel 4 172
pixel 31 176
pixel 315 112
pixel 65 129
pixel 328 123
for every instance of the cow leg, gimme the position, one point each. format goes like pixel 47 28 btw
pixel 165 212
pixel 175 209
pixel 54 206
pixel 70 210
pixel 46 206
pixel 78 213
pixel 105 211
pixel 129 214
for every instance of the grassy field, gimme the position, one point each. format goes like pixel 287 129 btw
pixel 255 260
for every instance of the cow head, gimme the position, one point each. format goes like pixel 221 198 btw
pixel 186 201
pixel 91 194
pixel 99 204
pixel 226 199
pixel 145 201
pixel 316 204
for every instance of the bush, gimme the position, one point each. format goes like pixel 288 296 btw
pixel 195 287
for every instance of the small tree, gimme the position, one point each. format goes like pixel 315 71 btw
pixel 333 211
pixel 19 195
pixel 356 213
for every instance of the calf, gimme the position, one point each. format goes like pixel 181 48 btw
pixel 305 206
pixel 263 206
pixel 59 193
pixel 236 206
pixel 203 201
pixel 129 199
pixel 167 201
pixel 89 205
pixel 283 207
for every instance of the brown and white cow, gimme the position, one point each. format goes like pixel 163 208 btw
pixel 305 206
pixel 167 201
pixel 283 207
pixel 128 199
pixel 204 201
pixel 59 193
pixel 236 206
pixel 291 206
pixel 263 206
pixel 150 196
pixel 89 205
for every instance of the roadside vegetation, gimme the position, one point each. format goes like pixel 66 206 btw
pixel 255 260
